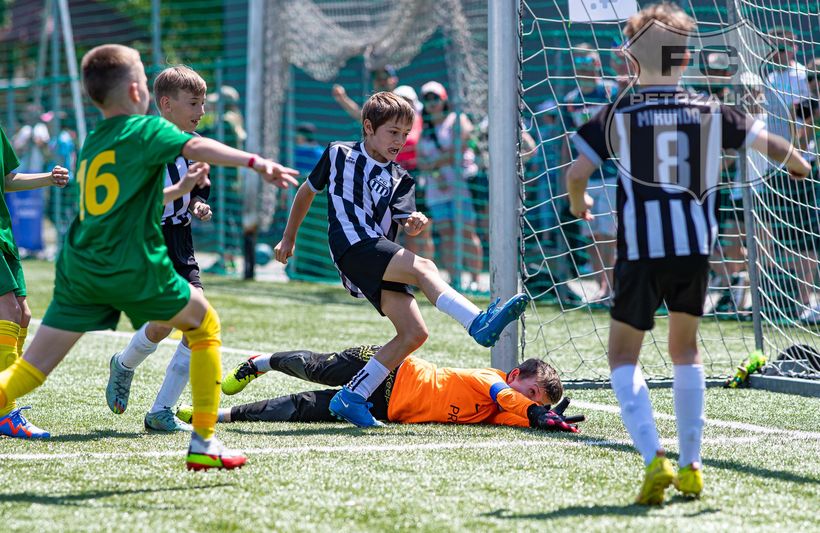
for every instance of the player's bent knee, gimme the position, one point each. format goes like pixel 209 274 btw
pixel 425 266
pixel 10 308
pixel 25 313
pixel 208 333
pixel 414 338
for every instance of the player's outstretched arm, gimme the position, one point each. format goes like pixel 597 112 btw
pixel 779 149
pixel 26 182
pixel 216 153
pixel 301 204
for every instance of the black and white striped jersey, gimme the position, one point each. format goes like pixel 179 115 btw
pixel 667 145
pixel 176 212
pixel 365 198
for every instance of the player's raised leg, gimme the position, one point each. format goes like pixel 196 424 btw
pixel 632 393
pixel 201 325
pixel 484 326
pixel 689 391
pixel 351 403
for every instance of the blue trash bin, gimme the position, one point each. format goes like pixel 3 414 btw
pixel 26 209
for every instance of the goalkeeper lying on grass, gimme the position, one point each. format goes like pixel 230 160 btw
pixel 416 392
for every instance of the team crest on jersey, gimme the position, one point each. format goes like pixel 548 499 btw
pixel 379 186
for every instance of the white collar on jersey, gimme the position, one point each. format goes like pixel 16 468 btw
pixel 361 144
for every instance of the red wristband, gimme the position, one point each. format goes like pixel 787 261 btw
pixel 251 161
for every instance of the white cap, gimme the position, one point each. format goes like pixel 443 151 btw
pixel 407 92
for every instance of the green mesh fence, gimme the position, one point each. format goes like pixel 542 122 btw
pixel 211 36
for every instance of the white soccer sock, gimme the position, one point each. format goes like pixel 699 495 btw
pixel 223 414
pixel 138 349
pixel 176 377
pixel 368 378
pixel 636 409
pixel 262 363
pixel 689 389
pixel 457 306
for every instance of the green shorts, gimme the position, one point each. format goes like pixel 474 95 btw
pixel 11 276
pixel 70 313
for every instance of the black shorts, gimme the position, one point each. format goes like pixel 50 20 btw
pixel 180 243
pixel 364 264
pixel 641 286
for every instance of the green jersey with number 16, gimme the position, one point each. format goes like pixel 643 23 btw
pixel 115 244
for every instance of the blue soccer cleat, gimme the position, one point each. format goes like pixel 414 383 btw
pixel 119 386
pixel 347 405
pixel 16 426
pixel 165 420
pixel 488 325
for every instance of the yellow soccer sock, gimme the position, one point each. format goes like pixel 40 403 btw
pixel 21 340
pixel 9 340
pixel 18 380
pixel 206 373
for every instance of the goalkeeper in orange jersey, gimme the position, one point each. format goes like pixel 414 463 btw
pixel 416 392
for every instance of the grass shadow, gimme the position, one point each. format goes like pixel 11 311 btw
pixel 97 434
pixel 82 498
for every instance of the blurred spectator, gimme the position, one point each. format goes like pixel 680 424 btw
pixel 421 244
pixel 786 84
pixel 383 79
pixel 31 141
pixel 235 136
pixel 813 78
pixel 619 64
pixel 577 107
pixel 447 195
pixel 547 255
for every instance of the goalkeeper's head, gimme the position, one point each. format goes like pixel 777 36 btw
pixel 537 380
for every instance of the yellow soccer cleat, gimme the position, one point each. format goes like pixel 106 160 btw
pixel 185 413
pixel 238 378
pixel 689 481
pixel 659 475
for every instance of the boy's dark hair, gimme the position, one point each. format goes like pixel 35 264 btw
pixel 806 110
pixel 546 377
pixel 178 78
pixel 105 67
pixel 385 106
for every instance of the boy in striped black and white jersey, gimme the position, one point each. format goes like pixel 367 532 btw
pixel 180 96
pixel 667 143
pixel 369 197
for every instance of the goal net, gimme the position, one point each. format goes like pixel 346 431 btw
pixel 569 69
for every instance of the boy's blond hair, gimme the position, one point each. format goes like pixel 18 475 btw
pixel 105 68
pixel 667 13
pixel 178 78
pixel 385 106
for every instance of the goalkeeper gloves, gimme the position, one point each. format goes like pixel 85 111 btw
pixel 542 417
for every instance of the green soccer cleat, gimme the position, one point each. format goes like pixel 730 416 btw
pixel 119 386
pixel 206 454
pixel 659 475
pixel 239 377
pixel 165 420
pixel 185 413
pixel 689 481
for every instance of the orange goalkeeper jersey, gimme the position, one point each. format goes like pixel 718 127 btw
pixel 423 392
